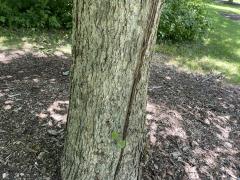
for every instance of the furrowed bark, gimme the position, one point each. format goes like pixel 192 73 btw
pixel 112 43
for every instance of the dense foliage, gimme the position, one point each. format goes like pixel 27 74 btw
pixel 36 13
pixel 183 20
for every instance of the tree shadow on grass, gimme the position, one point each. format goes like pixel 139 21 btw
pixel 233 4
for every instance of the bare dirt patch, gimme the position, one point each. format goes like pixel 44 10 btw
pixel 193 121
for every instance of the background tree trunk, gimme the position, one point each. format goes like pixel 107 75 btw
pixel 112 42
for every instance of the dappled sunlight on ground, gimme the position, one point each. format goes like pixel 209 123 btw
pixel 10 55
pixel 191 172
pixel 53 43
pixel 57 111
pixel 34 100
pixel 193 126
pixel 175 126
pixel 173 123
pixel 193 121
pixel 152 109
pixel 6 57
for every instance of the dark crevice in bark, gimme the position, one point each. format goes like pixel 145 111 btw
pixel 75 54
pixel 137 74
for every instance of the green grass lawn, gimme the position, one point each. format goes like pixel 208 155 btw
pixel 29 39
pixel 218 53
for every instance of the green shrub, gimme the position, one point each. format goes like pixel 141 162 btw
pixel 36 13
pixel 183 20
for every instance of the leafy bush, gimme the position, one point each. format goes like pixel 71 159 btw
pixel 183 20
pixel 36 13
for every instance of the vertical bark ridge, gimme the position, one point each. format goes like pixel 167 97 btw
pixel 111 41
pixel 149 31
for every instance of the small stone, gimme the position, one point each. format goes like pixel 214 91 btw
pixel 194 143
pixel 46 178
pixel 66 73
pixel 179 159
pixel 5 175
pixel 2 131
pixel 168 78
pixel 41 155
pixel 18 109
pixel 18 142
pixel 228 145
pixel 149 117
pixel 21 174
pixel 192 161
pixel 176 154
pixel 50 123
pixel 185 148
pixel 207 122
pixel 53 132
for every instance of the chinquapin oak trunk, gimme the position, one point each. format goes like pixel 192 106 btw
pixel 112 44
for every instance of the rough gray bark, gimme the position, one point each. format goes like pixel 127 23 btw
pixel 112 43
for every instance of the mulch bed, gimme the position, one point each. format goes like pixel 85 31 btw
pixel 34 99
pixel 193 121
pixel 194 126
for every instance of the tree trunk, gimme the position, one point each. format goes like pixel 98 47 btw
pixel 112 42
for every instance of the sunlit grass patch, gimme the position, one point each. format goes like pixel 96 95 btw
pixel 218 53
pixel 46 41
